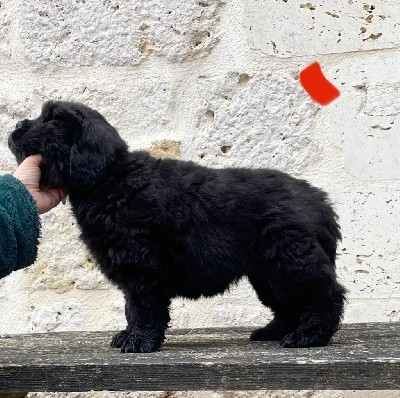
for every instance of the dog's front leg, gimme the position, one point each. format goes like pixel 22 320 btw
pixel 147 314
pixel 119 339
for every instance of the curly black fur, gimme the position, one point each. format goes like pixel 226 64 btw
pixel 165 228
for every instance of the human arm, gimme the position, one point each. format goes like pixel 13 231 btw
pixel 21 199
pixel 19 226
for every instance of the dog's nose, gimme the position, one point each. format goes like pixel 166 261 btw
pixel 18 125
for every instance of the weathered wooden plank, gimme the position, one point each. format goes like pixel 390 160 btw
pixel 361 356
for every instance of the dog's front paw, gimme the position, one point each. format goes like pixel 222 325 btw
pixel 119 339
pixel 142 341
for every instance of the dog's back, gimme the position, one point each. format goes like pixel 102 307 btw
pixel 249 203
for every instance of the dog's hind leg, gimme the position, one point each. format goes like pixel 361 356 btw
pixel 301 288
pixel 318 321
pixel 309 288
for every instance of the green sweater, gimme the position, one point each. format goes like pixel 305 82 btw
pixel 19 226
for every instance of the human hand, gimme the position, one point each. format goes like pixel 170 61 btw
pixel 28 172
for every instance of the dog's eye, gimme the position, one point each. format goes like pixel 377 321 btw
pixel 18 125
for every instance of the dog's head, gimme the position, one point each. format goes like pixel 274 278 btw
pixel 76 142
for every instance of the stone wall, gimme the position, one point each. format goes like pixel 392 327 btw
pixel 215 82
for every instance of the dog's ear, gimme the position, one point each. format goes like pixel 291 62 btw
pixel 96 144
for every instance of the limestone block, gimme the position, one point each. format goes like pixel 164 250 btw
pixel 102 309
pixel 113 100
pixel 179 30
pixel 117 32
pixel 56 317
pixel 154 112
pixel 11 110
pixel 5 22
pixel 14 303
pixel 383 100
pixel 139 114
pixel 237 307
pixel 241 315
pixel 63 262
pixel 368 256
pixel 115 318
pixel 377 310
pixel 365 121
pixel 165 149
pixel 260 120
pixel 108 100
pixel 299 28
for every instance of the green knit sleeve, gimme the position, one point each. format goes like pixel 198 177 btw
pixel 19 226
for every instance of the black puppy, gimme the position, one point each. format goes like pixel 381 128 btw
pixel 165 228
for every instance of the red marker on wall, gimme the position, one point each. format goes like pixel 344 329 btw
pixel 317 86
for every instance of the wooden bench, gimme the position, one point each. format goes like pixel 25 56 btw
pixel 360 357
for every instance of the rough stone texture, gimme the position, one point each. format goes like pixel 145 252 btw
pixel 378 309
pixel 253 121
pixel 14 108
pixel 117 32
pixel 114 101
pixel 51 317
pixel 67 265
pixel 368 257
pixel 5 22
pixel 156 103
pixel 14 303
pixel 10 111
pixel 238 307
pixel 165 149
pixel 321 27
pixel 160 79
pixel 365 122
